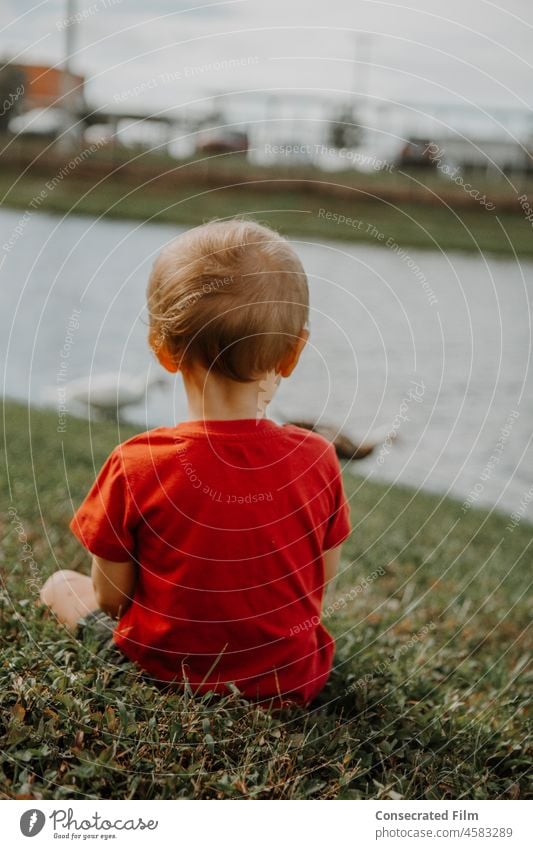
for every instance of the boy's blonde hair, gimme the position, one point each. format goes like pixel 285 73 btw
pixel 231 295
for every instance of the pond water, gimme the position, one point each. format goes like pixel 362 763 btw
pixel 433 347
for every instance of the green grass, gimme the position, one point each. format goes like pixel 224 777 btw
pixel 293 212
pixel 444 718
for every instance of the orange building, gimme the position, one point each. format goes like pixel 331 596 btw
pixel 45 86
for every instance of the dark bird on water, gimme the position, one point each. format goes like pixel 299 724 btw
pixel 345 447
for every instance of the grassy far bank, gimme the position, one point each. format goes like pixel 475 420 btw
pixel 293 212
pixel 428 701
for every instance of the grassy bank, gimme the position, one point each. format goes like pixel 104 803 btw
pixel 428 700
pixel 294 207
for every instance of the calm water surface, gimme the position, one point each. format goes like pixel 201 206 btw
pixel 449 372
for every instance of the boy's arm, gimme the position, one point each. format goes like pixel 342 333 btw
pixel 114 584
pixel 332 559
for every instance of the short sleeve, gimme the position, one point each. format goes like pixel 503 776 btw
pixel 339 526
pixel 104 523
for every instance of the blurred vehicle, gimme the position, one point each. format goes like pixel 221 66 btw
pixel 289 152
pixel 99 134
pixel 415 153
pixel 12 93
pixel 222 141
pixel 497 154
pixel 42 122
pixel 344 130
pixel 454 154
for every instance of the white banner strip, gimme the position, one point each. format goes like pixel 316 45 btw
pixel 267 824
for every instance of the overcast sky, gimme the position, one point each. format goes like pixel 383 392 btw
pixel 471 51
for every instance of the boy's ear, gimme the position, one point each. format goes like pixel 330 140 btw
pixel 163 355
pixel 287 366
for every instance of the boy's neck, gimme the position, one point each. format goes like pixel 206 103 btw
pixel 212 397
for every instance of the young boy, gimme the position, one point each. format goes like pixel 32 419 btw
pixel 212 541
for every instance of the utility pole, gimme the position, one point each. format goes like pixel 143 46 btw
pixel 363 44
pixel 70 135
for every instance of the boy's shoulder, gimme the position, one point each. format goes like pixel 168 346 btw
pixel 156 437
pixel 315 444
pixel 152 447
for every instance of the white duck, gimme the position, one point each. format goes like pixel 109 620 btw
pixel 107 394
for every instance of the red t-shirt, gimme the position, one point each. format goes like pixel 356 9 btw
pixel 227 521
